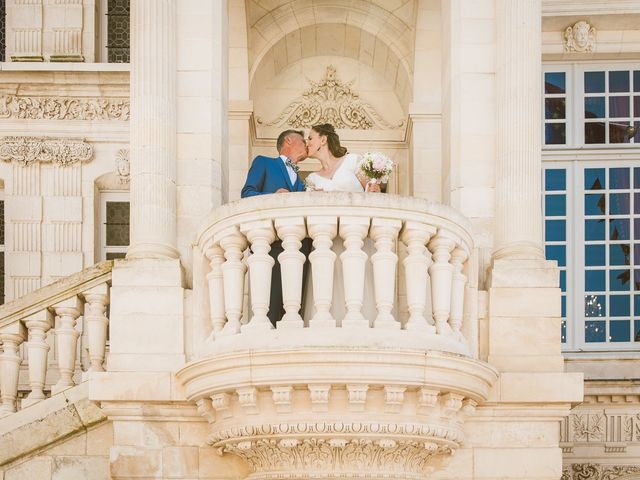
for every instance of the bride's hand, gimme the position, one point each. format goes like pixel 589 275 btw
pixel 373 187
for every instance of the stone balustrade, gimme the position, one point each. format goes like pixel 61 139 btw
pixel 346 382
pixel 40 336
pixel 423 247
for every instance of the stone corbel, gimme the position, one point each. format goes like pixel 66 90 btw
pixel 60 151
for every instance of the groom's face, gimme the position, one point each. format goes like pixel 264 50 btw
pixel 297 148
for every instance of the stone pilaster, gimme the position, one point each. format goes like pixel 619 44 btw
pixel 24 30
pixel 518 144
pixel 153 129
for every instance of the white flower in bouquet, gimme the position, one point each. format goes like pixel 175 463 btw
pixel 376 166
pixel 309 186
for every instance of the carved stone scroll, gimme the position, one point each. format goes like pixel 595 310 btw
pixel 331 101
pixel 61 151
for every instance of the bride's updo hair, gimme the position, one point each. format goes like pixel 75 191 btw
pixel 333 140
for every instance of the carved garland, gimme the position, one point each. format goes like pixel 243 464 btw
pixel 61 151
pixel 60 108
pixel 331 101
pixel 591 471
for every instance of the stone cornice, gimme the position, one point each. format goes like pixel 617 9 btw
pixel 60 151
pixel 64 108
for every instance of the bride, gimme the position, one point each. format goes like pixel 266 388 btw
pixel 339 173
pixel 339 168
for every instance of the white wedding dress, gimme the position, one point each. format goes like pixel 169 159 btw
pixel 344 180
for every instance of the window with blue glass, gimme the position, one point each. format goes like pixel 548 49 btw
pixel 611 106
pixel 611 242
pixel 555 229
pixel 555 108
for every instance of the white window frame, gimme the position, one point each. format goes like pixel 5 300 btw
pixel 574 83
pixel 110 196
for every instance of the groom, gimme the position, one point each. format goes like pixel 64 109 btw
pixel 279 175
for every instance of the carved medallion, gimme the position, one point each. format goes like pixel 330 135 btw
pixel 580 37
pixel 61 151
pixel 331 101
pixel 63 108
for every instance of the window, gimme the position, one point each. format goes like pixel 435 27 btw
pixel 590 105
pixel 114 224
pixel 592 228
pixel 115 27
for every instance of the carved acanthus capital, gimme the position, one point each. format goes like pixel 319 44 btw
pixel 392 458
pixel 64 108
pixel 60 151
pixel 580 37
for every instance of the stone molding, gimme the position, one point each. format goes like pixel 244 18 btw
pixel 64 108
pixel 580 37
pixel 331 101
pixel 592 471
pixel 60 151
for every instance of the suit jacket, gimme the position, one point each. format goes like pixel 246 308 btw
pixel 267 175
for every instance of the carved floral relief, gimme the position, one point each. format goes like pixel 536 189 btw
pixel 62 108
pixel 331 101
pixel 591 471
pixel 61 151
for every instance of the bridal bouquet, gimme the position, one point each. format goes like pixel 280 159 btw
pixel 376 167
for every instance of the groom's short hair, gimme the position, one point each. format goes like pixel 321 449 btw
pixel 286 134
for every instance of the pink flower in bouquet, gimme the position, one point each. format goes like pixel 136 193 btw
pixel 376 167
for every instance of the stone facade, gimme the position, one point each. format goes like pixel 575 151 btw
pixel 165 365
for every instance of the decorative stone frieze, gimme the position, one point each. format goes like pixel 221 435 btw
pixel 580 37
pixel 60 151
pixel 612 429
pixel 591 471
pixel 64 108
pixel 331 101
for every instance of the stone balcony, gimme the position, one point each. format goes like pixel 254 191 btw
pixel 383 379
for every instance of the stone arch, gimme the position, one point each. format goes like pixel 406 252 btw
pixel 378 37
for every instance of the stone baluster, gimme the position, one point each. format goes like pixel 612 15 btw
pixel 458 257
pixel 353 230
pixel 38 325
pixel 68 312
pixel 322 230
pixel 416 266
pixel 292 231
pixel 441 272
pixel 215 280
pixel 385 232
pixel 96 323
pixel 12 337
pixel 260 235
pixel 233 269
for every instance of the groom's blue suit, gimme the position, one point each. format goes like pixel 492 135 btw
pixel 267 175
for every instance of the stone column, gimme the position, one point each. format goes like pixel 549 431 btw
pixel 153 129
pixel 518 134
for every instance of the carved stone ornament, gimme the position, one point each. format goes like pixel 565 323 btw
pixel 350 457
pixel 331 101
pixel 63 108
pixel 600 426
pixel 591 471
pixel 123 167
pixel 61 151
pixel 580 37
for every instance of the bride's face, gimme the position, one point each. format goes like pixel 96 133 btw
pixel 315 142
